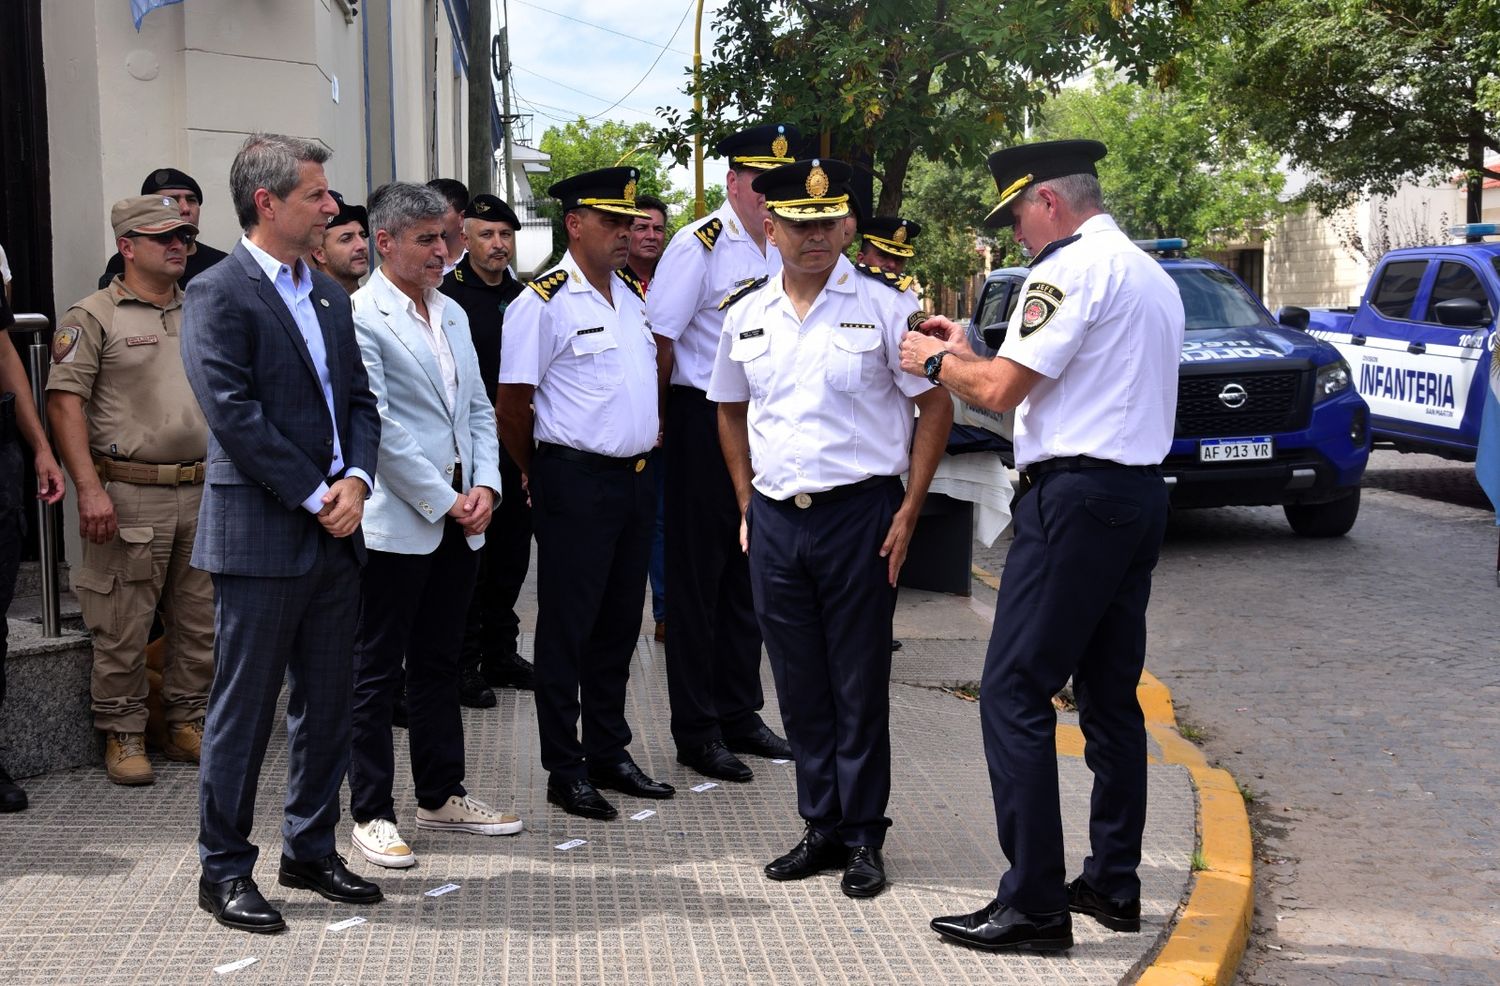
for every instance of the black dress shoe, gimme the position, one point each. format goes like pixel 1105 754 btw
pixel 330 878
pixel 627 778
pixel 510 671
pixel 814 854
pixel 237 903
pixel 712 759
pixel 579 798
pixel 12 798
pixel 473 693
pixel 864 876
pixel 760 742
pixel 1000 927
pixel 1115 913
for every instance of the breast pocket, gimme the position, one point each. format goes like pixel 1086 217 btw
pixel 598 354
pixel 854 358
pixel 749 352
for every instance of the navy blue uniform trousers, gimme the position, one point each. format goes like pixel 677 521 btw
pixel 713 643
pixel 825 607
pixel 593 543
pixel 299 629
pixel 493 629
pixel 1072 601
pixel 412 606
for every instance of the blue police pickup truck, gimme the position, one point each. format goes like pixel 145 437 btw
pixel 1418 344
pixel 1266 414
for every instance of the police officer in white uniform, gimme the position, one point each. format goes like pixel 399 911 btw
pixel 713 645
pixel 1090 359
pixel 816 422
pixel 577 345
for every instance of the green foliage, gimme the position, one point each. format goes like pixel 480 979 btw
pixel 680 201
pixel 949 201
pixel 1367 96
pixel 582 146
pixel 1177 165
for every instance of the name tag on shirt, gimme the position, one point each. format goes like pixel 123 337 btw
pixel 857 325
pixel 588 332
pixel 142 340
pixel 752 333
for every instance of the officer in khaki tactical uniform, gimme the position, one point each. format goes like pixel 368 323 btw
pixel 133 439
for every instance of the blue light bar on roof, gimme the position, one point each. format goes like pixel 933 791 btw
pixel 1162 246
pixel 1475 229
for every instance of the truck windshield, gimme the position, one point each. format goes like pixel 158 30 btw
pixel 1213 299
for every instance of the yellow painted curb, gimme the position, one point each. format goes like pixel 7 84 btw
pixel 1208 940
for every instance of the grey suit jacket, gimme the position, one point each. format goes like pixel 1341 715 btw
pixel 270 439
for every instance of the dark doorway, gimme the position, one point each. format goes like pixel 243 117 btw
pixel 25 196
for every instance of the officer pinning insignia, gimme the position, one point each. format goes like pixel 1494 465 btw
pixel 742 290
pixel 1038 307
pixel 817 188
pixel 708 233
pixel 899 282
pixel 65 344
pixel 607 189
pixel 915 319
pixel 762 148
pixel 547 285
pixel 1016 169
pixel 633 282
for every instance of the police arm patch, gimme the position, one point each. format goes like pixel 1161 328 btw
pixel 1039 305
pixel 65 343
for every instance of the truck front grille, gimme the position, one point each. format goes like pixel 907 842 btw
pixel 1275 401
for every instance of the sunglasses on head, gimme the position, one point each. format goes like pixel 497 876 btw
pixel 165 239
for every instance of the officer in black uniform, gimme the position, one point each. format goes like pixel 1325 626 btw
pixel 484 285
pixel 179 185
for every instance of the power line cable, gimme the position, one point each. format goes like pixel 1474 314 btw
pixel 687 10
pixel 607 30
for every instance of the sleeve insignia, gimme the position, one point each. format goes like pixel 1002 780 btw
pixel 915 320
pixel 709 232
pixel 631 281
pixel 64 343
pixel 1038 306
pixel 899 282
pixel 743 290
pixel 547 284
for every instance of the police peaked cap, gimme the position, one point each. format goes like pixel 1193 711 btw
pixel 891 234
pixel 817 188
pixel 761 148
pixel 349 214
pixel 608 190
pixel 170 178
pixel 1018 168
pixel 491 209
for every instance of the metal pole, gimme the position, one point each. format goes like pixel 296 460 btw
pixel 510 121
pixel 481 164
pixel 46 515
pixel 700 207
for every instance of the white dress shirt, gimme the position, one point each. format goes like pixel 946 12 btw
pixel 438 342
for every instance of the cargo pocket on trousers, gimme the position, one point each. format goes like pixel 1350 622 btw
pixel 133 563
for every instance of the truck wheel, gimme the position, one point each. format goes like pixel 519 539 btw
pixel 1324 520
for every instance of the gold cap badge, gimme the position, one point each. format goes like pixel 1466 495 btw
pixel 817 181
pixel 629 193
pixel 900 234
pixel 779 146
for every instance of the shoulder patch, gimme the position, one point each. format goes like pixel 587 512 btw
pixel 65 343
pixel 548 283
pixel 631 281
pixel 742 290
pixel 1038 306
pixel 900 282
pixel 708 233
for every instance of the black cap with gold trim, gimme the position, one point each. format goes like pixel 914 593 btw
pixel 891 234
pixel 761 148
pixel 817 188
pixel 1018 168
pixel 608 190
pixel 492 209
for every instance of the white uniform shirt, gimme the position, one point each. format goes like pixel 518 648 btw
pixel 593 364
pixel 1103 324
pixel 829 405
pixel 436 300
pixel 690 282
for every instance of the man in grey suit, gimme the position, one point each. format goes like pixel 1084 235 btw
pixel 270 353
pixel 437 483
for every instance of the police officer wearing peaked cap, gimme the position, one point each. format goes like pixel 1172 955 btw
pixel 713 644
pixel 180 187
pixel 886 242
pixel 816 421
pixel 577 346
pixel 1090 363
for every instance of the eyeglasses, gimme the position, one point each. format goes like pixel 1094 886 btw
pixel 165 239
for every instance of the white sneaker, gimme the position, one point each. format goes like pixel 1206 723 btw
pixel 382 845
pixel 467 814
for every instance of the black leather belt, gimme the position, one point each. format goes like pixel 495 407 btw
pixel 802 501
pixel 1073 463
pixel 682 388
pixel 593 459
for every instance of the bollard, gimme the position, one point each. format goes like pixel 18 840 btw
pixel 46 513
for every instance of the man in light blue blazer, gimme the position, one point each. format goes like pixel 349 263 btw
pixel 435 487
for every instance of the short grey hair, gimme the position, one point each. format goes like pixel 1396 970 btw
pixel 273 162
pixel 398 205
pixel 1080 193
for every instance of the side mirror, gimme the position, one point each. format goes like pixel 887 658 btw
pixel 1294 317
pixel 1462 313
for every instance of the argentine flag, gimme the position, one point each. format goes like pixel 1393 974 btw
pixel 1487 465
pixel 140 8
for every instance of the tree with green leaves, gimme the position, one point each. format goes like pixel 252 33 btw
pixel 1366 96
pixel 582 146
pixel 1177 164
pixel 950 202
pixel 888 80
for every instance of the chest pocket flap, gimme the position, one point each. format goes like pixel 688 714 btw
pixel 599 354
pixel 855 356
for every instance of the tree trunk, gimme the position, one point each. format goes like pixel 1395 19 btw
pixel 893 182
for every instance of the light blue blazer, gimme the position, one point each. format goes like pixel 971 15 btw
pixel 419 437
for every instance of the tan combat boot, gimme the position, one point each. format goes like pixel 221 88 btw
pixel 184 741
pixel 125 758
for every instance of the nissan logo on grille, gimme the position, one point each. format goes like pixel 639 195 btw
pixel 1233 396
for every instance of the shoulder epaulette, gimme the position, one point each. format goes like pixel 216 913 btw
pixel 549 283
pixel 742 290
pixel 709 232
pixel 900 282
pixel 458 274
pixel 633 282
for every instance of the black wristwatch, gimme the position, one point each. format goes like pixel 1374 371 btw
pixel 934 366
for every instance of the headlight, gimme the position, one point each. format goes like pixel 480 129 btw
pixel 1332 379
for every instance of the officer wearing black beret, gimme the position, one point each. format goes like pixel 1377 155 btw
pixel 1090 363
pixel 345 253
pixel 484 285
pixel 886 242
pixel 181 188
